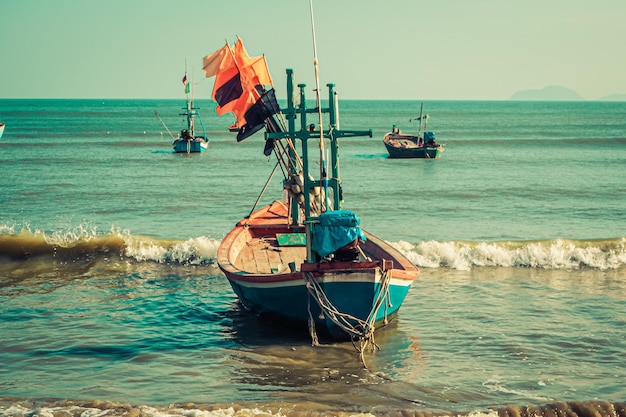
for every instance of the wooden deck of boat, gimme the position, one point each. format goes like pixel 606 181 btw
pixel 265 244
pixel 264 255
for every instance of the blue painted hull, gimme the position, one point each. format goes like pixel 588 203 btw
pixel 190 146
pixel 290 303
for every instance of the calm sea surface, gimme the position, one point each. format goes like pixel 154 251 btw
pixel 111 302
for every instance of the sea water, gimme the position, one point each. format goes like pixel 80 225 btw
pixel 111 302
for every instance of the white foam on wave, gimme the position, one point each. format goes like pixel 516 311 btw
pixel 59 237
pixel 495 385
pixel 114 410
pixel 602 254
pixel 68 237
pixel 492 413
pixel 195 251
pixel 20 411
pixel 549 254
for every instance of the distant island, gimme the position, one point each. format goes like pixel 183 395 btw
pixel 613 97
pixel 552 93
pixel 558 93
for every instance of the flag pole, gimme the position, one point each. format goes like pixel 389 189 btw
pixel 323 167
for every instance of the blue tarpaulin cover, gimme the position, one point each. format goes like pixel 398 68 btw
pixel 429 135
pixel 335 230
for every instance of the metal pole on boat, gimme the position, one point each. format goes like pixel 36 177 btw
pixel 193 107
pixel 421 111
pixel 163 123
pixel 264 188
pixel 323 167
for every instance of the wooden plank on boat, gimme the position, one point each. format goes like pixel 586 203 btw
pixel 273 258
pixel 292 254
pixel 246 261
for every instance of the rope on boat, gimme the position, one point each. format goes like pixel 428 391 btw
pixel 314 340
pixel 358 329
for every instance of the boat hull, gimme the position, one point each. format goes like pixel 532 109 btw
pixel 351 293
pixel 271 279
pixel 190 146
pixel 407 146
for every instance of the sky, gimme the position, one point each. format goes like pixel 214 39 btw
pixel 371 49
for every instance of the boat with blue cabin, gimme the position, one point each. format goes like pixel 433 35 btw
pixel 191 140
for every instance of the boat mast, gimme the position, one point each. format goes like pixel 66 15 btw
pixel 323 167
pixel 192 108
pixel 419 131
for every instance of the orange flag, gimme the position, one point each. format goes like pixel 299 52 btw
pixel 256 66
pixel 239 79
pixel 254 75
pixel 212 63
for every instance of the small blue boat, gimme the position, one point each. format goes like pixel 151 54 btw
pixel 189 140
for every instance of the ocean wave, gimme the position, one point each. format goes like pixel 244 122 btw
pixel 196 251
pixel 86 243
pixel 83 243
pixel 95 408
pixel 547 254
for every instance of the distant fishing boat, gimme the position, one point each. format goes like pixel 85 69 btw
pixel 421 145
pixel 1 129
pixel 189 140
pixel 303 260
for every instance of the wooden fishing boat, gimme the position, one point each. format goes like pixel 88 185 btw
pixel 420 145
pixel 189 140
pixel 400 145
pixel 265 259
pixel 303 259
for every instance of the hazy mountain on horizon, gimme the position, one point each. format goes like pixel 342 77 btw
pixel 559 93
pixel 552 93
pixel 613 97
